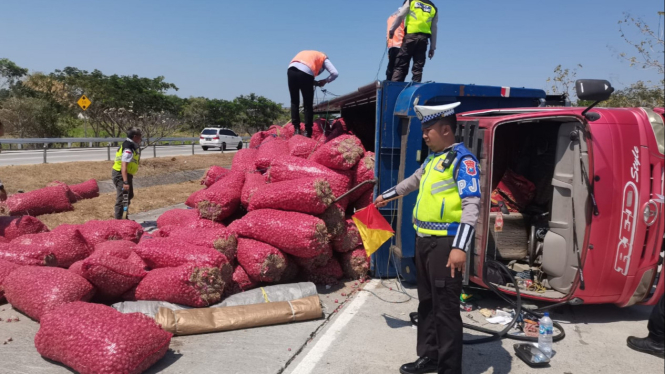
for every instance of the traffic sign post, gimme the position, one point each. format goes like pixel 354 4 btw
pixel 84 102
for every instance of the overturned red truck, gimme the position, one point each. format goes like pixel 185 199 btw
pixel 572 197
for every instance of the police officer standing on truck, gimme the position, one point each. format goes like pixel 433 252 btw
pixel 444 218
pixel 301 73
pixel 125 167
pixel 420 18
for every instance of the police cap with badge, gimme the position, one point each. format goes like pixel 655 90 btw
pixel 429 115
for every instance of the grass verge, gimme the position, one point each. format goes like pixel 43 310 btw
pixel 145 199
pixel 32 177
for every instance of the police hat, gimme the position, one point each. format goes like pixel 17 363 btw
pixel 429 115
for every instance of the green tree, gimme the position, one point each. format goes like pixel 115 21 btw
pixel 32 117
pixel 224 113
pixel 256 113
pixel 648 50
pixel 10 73
pixel 563 81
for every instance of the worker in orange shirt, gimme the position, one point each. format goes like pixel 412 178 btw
pixel 306 66
pixel 394 44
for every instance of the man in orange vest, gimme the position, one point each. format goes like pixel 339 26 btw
pixel 394 44
pixel 302 70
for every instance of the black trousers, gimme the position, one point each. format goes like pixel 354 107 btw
pixel 301 82
pixel 392 58
pixel 439 319
pixel 117 181
pixel 414 47
pixel 656 321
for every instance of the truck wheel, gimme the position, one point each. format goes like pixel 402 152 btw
pixel 240 146
pixel 205 148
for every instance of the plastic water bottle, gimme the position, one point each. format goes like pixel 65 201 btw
pixel 545 332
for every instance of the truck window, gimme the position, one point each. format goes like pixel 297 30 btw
pixel 658 128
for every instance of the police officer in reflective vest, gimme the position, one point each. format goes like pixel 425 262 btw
pixel 420 18
pixel 303 69
pixel 444 218
pixel 126 165
pixel 394 43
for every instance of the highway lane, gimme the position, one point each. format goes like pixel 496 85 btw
pixel 30 157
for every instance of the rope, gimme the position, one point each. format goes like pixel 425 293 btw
pixel 381 63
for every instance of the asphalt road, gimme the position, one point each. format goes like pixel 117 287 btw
pixel 29 157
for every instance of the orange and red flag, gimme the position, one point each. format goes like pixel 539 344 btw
pixel 373 228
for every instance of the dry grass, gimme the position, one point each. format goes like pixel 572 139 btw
pixel 32 177
pixel 145 199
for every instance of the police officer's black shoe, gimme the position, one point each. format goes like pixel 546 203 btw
pixel 308 133
pixel 296 131
pixel 647 345
pixel 420 366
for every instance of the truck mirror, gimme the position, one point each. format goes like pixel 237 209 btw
pixel 593 89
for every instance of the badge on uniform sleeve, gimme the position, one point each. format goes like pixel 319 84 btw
pixel 471 169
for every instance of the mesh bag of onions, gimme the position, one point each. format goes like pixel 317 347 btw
pixel 305 195
pixel 341 153
pixel 189 285
pixel 298 234
pixel 13 227
pixel 262 262
pixel 36 290
pixel 214 174
pixel 45 200
pixel 97 339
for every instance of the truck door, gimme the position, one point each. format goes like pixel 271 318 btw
pixel 469 133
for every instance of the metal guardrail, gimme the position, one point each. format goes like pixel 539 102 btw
pixel 108 141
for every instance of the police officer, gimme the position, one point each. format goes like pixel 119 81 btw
pixel 420 18
pixel 301 73
pixel 444 217
pixel 654 343
pixel 126 165
pixel 394 43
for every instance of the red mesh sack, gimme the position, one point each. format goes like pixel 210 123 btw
pixel 241 281
pixel 364 200
pixel 222 199
pixel 243 161
pixel 186 218
pixel 334 218
pixel 34 203
pixel 96 232
pixel 193 198
pixel 257 139
pixel 36 290
pixel 66 247
pixel 302 146
pixel 13 227
pixel 3 240
pixel 362 172
pixel 269 150
pixel 111 275
pixel 355 263
pixel 306 195
pixel 289 130
pixel 261 261
pixel 222 240
pixel 86 190
pixel 77 267
pixel 298 234
pixel 253 181
pixel 120 248
pixel 213 174
pixel 6 267
pixel 330 273
pixel 341 153
pixel 349 239
pixel 97 339
pixel 314 262
pixel 70 195
pixel 189 285
pixel 290 168
pixel 338 128
pixel 38 256
pixel 167 252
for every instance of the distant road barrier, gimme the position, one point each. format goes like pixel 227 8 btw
pixel 98 143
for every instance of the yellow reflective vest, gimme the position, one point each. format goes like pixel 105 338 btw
pixel 438 209
pixel 419 19
pixel 133 166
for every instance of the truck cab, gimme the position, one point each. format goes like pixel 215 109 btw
pixel 590 230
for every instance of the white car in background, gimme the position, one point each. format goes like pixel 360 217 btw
pixel 219 138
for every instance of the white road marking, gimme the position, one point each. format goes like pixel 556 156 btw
pixel 312 358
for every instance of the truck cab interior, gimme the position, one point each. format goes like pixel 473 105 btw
pixel 539 189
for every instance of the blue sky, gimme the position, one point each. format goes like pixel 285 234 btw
pixel 222 49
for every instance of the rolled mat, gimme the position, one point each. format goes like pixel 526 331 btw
pixel 205 320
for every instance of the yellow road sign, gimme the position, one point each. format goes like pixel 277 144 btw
pixel 84 102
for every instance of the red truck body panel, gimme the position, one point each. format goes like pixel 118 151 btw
pixel 620 252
